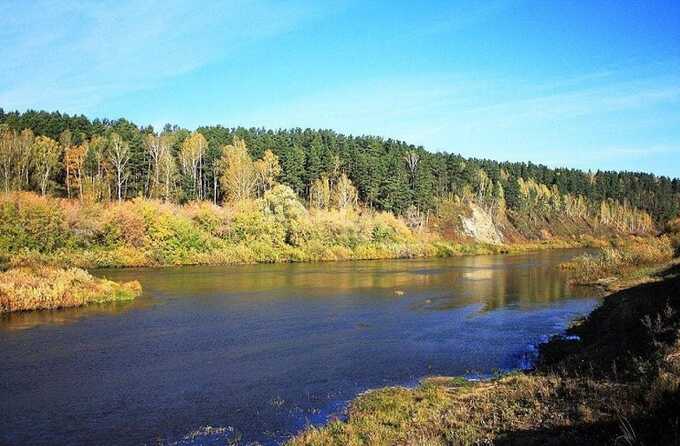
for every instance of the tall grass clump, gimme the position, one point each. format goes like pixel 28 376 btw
pixel 621 259
pixel 47 288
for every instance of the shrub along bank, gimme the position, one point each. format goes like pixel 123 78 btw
pixel 36 230
pixel 47 288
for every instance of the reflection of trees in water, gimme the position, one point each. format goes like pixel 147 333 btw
pixel 494 281
pixel 521 280
pixel 288 279
pixel 29 319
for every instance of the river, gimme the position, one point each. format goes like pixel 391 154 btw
pixel 254 353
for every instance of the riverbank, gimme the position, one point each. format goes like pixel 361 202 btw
pixel 36 231
pixel 48 288
pixel 613 379
pixel 627 262
pixel 243 254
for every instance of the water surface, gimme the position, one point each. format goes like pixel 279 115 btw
pixel 210 354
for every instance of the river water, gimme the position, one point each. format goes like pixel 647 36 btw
pixel 254 353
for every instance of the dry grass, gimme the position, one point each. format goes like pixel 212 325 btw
pixel 47 288
pixel 446 412
pixel 630 257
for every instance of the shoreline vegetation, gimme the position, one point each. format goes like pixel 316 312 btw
pixel 48 288
pixel 625 263
pixel 42 230
pixel 613 378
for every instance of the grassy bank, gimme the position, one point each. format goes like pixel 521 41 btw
pixel 625 263
pixel 37 230
pixel 47 288
pixel 615 380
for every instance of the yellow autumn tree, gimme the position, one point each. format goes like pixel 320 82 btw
pixel 344 193
pixel 47 153
pixel 74 159
pixel 191 160
pixel 320 193
pixel 239 177
pixel 267 171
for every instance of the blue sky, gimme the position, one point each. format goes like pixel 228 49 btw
pixel 587 84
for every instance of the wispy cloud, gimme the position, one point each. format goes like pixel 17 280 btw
pixel 73 54
pixel 440 101
pixel 593 119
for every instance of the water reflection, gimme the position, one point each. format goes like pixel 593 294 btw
pixel 30 319
pixel 494 281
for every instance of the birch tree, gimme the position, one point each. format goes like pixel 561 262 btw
pixel 66 139
pixel 74 158
pixel 320 193
pixel 167 167
pixel 119 157
pixel 344 193
pixel 191 160
pixel 267 170
pixel 24 158
pixel 7 156
pixel 47 153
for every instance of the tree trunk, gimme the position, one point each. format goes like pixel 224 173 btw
pixel 118 180
pixel 215 189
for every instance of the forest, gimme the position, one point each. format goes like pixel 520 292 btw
pixel 104 160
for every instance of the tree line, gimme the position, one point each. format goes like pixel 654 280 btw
pixel 77 157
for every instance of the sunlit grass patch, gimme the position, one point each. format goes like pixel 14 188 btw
pixel 448 411
pixel 46 288
pixel 626 258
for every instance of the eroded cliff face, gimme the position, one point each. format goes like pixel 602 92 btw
pixel 472 222
pixel 480 226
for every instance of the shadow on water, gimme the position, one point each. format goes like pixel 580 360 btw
pixel 25 320
pixel 256 352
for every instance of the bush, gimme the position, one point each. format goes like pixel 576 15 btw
pixel 123 224
pixel 171 236
pixel 209 217
pixel 29 221
pixel 251 224
pixel 283 205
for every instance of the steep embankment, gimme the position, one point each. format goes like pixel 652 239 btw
pixel 537 214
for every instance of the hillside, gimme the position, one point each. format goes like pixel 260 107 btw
pixel 100 158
